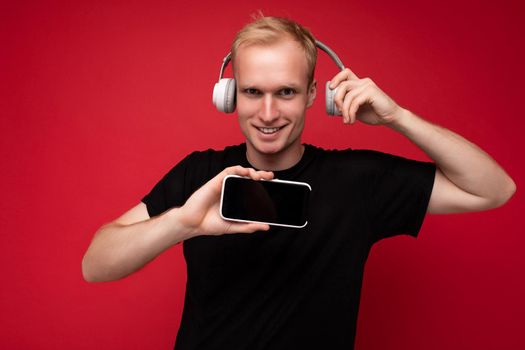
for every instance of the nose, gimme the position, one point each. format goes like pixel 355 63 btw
pixel 269 111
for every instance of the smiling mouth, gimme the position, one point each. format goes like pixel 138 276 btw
pixel 269 131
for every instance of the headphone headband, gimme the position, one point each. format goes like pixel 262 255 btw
pixel 319 44
pixel 330 53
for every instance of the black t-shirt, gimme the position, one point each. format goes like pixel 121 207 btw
pixel 290 288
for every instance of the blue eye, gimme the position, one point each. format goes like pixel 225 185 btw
pixel 288 92
pixel 251 91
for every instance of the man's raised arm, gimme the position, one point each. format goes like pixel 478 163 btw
pixel 467 178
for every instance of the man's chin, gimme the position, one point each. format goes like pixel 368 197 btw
pixel 268 149
pixel 265 150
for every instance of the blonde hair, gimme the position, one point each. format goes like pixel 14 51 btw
pixel 270 30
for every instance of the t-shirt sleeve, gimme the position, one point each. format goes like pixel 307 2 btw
pixel 170 191
pixel 398 195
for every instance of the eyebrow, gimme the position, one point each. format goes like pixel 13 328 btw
pixel 293 86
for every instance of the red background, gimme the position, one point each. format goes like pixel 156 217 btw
pixel 99 99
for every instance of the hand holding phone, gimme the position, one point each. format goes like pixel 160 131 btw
pixel 272 202
pixel 200 215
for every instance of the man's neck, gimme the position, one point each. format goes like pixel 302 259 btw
pixel 274 162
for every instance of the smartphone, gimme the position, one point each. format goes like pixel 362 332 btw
pixel 273 202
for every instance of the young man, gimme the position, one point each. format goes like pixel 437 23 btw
pixel 284 288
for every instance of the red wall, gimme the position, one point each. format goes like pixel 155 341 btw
pixel 99 99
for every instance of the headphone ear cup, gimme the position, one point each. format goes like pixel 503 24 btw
pixel 224 95
pixel 331 108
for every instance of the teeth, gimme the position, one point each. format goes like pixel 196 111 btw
pixel 268 130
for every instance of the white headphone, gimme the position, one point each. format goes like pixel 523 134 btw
pixel 224 94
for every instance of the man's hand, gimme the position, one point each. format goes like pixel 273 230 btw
pixel 362 99
pixel 200 214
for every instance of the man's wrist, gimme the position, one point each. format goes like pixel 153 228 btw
pixel 401 120
pixel 178 230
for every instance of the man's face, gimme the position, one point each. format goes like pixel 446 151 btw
pixel 272 96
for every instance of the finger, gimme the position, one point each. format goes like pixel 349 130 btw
pixel 253 227
pixel 247 227
pixel 265 175
pixel 260 174
pixel 356 103
pixel 252 173
pixel 345 74
pixel 349 98
pixel 342 90
pixel 236 170
pixel 216 182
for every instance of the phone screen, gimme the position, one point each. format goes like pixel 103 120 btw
pixel 274 202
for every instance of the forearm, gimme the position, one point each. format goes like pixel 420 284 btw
pixel 463 163
pixel 118 250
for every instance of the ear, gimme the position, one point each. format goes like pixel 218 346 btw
pixel 312 92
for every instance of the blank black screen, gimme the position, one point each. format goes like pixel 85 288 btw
pixel 265 201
